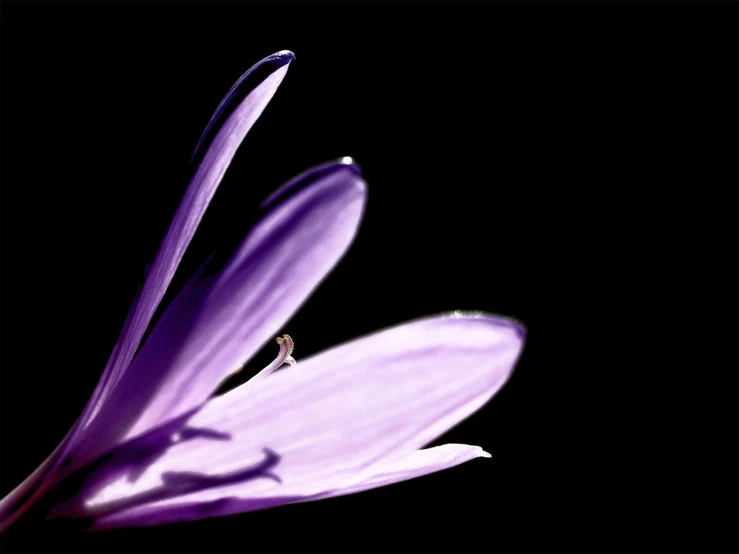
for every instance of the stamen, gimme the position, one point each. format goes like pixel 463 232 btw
pixel 287 345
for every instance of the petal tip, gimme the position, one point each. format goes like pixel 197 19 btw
pixel 313 174
pixel 520 328
pixel 484 454
pixel 283 57
pixel 517 326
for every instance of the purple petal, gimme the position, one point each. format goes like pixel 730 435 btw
pixel 335 419
pixel 232 120
pixel 216 326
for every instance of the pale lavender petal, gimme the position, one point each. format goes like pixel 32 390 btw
pixel 232 120
pixel 334 419
pixel 408 466
pixel 205 336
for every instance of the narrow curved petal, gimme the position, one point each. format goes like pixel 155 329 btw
pixel 229 125
pixel 335 419
pixel 232 120
pixel 217 325
pixel 408 466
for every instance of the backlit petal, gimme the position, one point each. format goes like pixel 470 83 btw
pixel 335 419
pixel 217 325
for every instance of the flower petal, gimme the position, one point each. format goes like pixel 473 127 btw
pixel 234 117
pixel 232 120
pixel 213 329
pixel 409 466
pixel 336 418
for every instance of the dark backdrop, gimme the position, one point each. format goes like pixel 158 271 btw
pixel 572 165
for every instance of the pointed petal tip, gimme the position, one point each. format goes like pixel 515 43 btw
pixel 248 83
pixel 283 57
pixel 311 175
pixel 484 454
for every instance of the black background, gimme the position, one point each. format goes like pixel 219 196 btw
pixel 572 165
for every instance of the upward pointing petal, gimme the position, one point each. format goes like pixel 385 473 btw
pixel 214 326
pixel 233 118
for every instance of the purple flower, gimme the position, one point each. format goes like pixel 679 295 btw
pixel 154 445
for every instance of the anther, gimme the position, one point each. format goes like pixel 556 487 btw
pixel 290 347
